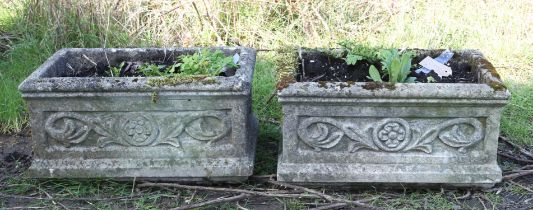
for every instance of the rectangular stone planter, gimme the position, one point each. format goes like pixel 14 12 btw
pixel 200 129
pixel 418 133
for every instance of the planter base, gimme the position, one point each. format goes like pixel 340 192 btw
pixel 483 176
pixel 179 169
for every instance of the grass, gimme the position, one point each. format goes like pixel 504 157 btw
pixel 517 119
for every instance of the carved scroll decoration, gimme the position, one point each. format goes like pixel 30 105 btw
pixel 390 134
pixel 136 129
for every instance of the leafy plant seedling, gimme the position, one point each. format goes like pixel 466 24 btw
pixel 396 65
pixel 430 79
pixel 205 62
pixel 115 70
pixel 358 51
pixel 152 70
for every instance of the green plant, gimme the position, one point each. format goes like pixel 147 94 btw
pixel 394 64
pixel 153 70
pixel 115 70
pixel 430 79
pixel 205 62
pixel 359 51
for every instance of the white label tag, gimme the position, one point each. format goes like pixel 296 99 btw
pixel 439 68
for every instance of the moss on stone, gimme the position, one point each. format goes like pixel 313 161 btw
pixel 181 79
pixel 286 62
pixel 379 85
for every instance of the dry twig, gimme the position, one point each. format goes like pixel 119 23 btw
pixel 514 158
pixel 521 149
pixel 520 185
pixel 517 174
pixel 221 189
pixel 211 202
pixel 322 195
pixel 331 206
pixel 69 199
pixel 465 196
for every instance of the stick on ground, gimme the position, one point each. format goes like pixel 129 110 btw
pixel 322 195
pixel 517 174
pixel 330 206
pixel 215 201
pixel 221 189
pixel 521 149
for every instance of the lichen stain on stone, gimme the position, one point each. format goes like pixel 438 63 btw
pixel 154 97
pixel 171 81
pixel 284 81
pixel 323 84
pixel 341 85
pixel 497 86
pixel 346 84
pixel 378 85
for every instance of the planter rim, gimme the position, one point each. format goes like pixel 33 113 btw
pixel 390 90
pixel 37 82
pixel 489 85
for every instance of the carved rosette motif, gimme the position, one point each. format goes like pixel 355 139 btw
pixel 136 129
pixel 390 134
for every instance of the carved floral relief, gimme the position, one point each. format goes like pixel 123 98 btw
pixel 390 134
pixel 137 129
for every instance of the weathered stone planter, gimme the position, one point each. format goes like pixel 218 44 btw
pixel 126 127
pixel 419 133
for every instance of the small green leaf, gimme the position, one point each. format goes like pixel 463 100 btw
pixel 394 71
pixel 431 79
pixel 351 59
pixel 406 66
pixel 374 74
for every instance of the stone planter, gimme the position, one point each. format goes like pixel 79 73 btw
pixel 418 133
pixel 191 130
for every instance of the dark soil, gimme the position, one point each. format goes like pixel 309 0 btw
pixel 461 71
pixel 320 66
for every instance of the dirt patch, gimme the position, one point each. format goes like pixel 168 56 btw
pixel 15 154
pixel 318 66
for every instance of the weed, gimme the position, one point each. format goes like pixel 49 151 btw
pixel 115 70
pixel 153 70
pixel 294 204
pixel 494 199
pixel 515 189
pixel 430 79
pixel 205 62
pixel 358 51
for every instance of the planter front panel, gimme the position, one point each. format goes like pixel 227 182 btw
pixel 390 143
pixel 156 133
